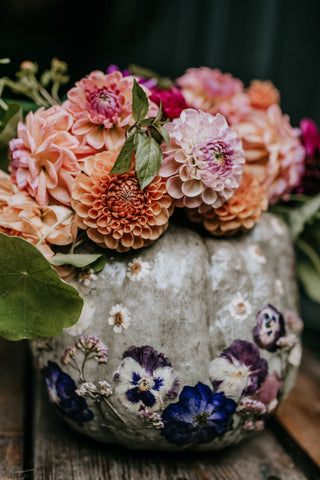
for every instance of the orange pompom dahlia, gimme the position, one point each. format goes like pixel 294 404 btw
pixel 115 211
pixel 263 94
pixel 240 213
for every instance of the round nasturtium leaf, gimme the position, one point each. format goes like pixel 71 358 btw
pixel 34 301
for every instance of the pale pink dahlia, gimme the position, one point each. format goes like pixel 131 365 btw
pixel 204 161
pixel 273 150
pixel 44 162
pixel 213 91
pixel 102 107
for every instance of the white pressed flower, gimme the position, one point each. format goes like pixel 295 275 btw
pixel 239 307
pixel 256 254
pixel 137 269
pixel 295 355
pixel 278 226
pixel 105 388
pixel 230 378
pixel 87 276
pixel 279 287
pixel 119 317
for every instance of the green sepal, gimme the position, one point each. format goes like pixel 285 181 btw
pixel 34 301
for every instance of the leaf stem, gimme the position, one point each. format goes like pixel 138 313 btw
pixel 63 219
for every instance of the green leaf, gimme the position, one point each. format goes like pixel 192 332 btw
pixel 9 120
pixel 158 117
pixel 163 133
pixel 148 159
pixel 34 301
pixel 310 279
pixel 123 162
pixel 300 216
pixel 79 260
pixel 140 103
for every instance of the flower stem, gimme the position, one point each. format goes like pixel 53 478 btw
pixel 114 410
pixel 63 219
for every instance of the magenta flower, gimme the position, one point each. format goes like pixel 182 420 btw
pixel 310 182
pixel 204 161
pixel 173 102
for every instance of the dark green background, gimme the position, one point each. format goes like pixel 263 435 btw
pixel 275 39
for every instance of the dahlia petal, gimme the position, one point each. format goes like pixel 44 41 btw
pixel 192 188
pixel 209 196
pixel 174 187
pixel 169 167
pixel 82 126
pixel 95 137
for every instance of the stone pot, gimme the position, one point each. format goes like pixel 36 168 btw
pixel 187 344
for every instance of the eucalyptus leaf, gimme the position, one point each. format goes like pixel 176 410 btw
pixel 9 120
pixel 123 162
pixel 79 260
pixel 148 159
pixel 310 279
pixel 140 103
pixel 34 301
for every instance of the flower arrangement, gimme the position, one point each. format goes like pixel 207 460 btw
pixel 110 164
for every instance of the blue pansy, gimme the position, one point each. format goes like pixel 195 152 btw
pixel 269 328
pixel 198 417
pixel 62 392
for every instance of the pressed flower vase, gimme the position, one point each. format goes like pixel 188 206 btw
pixel 187 344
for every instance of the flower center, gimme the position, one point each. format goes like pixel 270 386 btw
pixel 136 268
pixel 104 104
pixel 125 199
pixel 144 385
pixel 201 418
pixel 118 319
pixel 237 374
pixel 241 308
pixel 215 160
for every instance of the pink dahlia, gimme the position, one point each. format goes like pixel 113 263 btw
pixel 273 150
pixel 172 101
pixel 113 209
pixel 102 107
pixel 204 161
pixel 310 182
pixel 214 91
pixel 44 162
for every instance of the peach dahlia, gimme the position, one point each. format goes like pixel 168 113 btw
pixel 115 211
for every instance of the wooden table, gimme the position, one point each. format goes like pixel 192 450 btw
pixel 36 444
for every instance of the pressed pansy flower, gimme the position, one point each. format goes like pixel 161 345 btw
pixel 102 107
pixel 199 416
pixel 269 328
pixel 62 392
pixel 213 91
pixel 119 318
pixel 43 157
pixel 239 307
pixel 145 379
pixel 137 269
pixel 239 370
pixel 115 211
pixel 256 254
pixel 204 161
pixel 269 391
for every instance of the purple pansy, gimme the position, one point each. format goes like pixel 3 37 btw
pixel 270 327
pixel 145 379
pixel 199 416
pixel 62 392
pixel 239 370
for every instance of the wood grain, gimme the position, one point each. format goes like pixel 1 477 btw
pixel 59 453
pixel 12 357
pixel 300 413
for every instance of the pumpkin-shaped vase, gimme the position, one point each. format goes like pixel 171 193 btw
pixel 187 344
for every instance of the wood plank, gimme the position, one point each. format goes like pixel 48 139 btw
pixel 59 453
pixel 12 361
pixel 300 413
